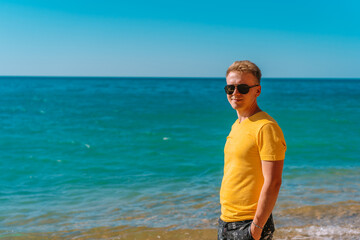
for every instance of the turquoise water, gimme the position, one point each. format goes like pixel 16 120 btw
pixel 78 153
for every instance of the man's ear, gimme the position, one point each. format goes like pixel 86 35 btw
pixel 258 91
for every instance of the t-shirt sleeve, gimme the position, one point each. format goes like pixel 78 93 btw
pixel 271 142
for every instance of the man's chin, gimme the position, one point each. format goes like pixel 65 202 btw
pixel 236 106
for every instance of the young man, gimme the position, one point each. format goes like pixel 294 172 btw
pixel 254 159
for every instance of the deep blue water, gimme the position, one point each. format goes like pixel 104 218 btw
pixel 85 152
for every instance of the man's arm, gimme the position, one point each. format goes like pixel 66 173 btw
pixel 272 171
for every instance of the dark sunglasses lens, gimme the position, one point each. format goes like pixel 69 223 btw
pixel 229 89
pixel 243 88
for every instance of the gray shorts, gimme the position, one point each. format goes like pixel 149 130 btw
pixel 241 230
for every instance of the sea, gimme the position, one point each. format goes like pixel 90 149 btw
pixel 142 158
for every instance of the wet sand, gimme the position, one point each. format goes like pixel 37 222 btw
pixel 138 233
pixel 142 233
pixel 336 221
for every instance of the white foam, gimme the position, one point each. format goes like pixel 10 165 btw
pixel 166 138
pixel 324 232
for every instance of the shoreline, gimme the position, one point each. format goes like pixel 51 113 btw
pixel 144 233
pixel 329 221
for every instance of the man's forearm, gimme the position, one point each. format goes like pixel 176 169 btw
pixel 267 200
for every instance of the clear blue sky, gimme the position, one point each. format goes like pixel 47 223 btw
pixel 179 38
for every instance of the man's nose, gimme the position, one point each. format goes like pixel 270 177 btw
pixel 236 91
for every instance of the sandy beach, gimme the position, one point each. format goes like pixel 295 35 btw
pixel 143 233
pixel 338 221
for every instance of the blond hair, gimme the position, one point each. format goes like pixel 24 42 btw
pixel 245 66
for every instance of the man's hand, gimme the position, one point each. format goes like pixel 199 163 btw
pixel 255 232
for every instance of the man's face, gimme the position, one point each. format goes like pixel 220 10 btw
pixel 238 101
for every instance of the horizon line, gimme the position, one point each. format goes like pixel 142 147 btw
pixel 69 76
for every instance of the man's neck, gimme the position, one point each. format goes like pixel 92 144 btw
pixel 244 114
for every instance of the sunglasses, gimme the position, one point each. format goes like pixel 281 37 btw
pixel 242 88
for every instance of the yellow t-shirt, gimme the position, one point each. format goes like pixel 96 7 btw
pixel 257 138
